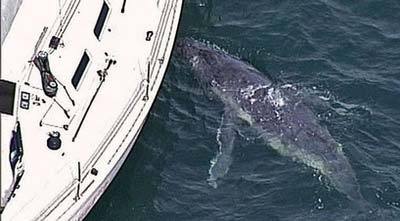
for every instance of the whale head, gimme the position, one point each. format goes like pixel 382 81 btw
pixel 214 67
pixel 205 62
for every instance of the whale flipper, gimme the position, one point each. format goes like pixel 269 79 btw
pixel 222 161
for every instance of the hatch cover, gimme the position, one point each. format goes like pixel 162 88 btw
pixel 7 95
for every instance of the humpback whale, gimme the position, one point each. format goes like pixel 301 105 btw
pixel 286 123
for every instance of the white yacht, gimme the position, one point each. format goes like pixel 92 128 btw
pixel 78 78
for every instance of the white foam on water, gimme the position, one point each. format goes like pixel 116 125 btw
pixel 324 98
pixel 252 100
pixel 320 205
pixel 275 97
pixel 288 86
pixel 212 180
pixel 340 107
pixel 249 91
pixel 194 61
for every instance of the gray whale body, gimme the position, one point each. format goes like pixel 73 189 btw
pixel 284 121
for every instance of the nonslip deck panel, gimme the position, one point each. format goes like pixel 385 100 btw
pixel 7 96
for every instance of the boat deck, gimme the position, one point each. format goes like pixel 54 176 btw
pixel 108 65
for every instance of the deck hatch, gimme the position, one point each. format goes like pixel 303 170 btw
pixel 105 9
pixel 7 96
pixel 80 70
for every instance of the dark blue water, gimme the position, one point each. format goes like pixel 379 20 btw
pixel 344 55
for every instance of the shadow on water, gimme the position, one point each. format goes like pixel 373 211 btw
pixel 130 193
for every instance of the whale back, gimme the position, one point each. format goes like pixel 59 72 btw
pixel 277 112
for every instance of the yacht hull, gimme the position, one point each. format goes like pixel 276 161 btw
pixel 86 74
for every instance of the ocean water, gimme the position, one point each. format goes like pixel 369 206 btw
pixel 343 55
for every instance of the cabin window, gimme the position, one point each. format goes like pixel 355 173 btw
pixel 80 70
pixel 101 20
